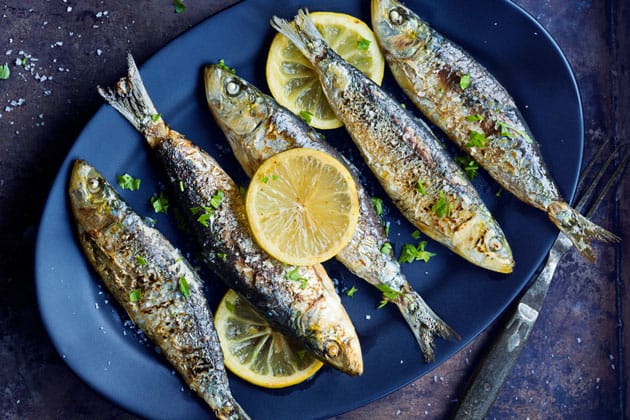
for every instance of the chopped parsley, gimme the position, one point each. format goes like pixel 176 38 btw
pixel 386 248
pixel 363 44
pixel 160 203
pixel 389 294
pixel 127 182
pixel 469 165
pixel 351 291
pixel 222 256
pixel 24 61
pixel 141 260
pixel 415 234
pixel 474 118
pixel 180 7
pixel 505 131
pixel 306 116
pixel 135 295
pixel 420 189
pixel 184 288
pixel 264 179
pixel 498 194
pixel 205 213
pixel 476 139
pixel 301 354
pixel 403 106
pixel 181 186
pixel 411 253
pixel 156 117
pixel 294 275
pixel 442 207
pixel 221 64
pixel 464 82
pixel 378 205
pixel 386 228
pixel 229 305
pixel 5 72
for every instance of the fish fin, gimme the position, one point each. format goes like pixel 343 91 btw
pixel 130 98
pixel 302 34
pixel 425 324
pixel 578 228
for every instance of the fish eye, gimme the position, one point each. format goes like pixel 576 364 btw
pixel 232 88
pixel 397 16
pixel 494 244
pixel 332 349
pixel 94 185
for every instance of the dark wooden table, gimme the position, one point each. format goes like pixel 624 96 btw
pixel 574 364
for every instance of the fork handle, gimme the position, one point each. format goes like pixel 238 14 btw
pixel 498 363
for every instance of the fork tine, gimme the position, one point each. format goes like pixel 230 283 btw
pixel 609 184
pixel 587 194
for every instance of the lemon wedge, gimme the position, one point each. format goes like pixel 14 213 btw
pixel 254 351
pixel 292 80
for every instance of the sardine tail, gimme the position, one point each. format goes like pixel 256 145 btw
pixel 301 34
pixel 579 229
pixel 424 323
pixel 130 98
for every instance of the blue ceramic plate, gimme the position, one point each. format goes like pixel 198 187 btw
pixel 98 342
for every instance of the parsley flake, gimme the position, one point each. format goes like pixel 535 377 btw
pixel 415 234
pixel 160 203
pixel 141 260
pixel 476 139
pixel 469 165
pixel 135 295
pixel 180 7
pixel 181 186
pixel 127 182
pixel 389 294
pixel 229 305
pixel 507 131
pixel 184 288
pixel 420 189
pixel 351 291
pixel 156 117
pixel 294 275
pixel 222 256
pixel 411 253
pixel 464 82
pixel 221 64
pixel 378 205
pixel 442 207
pixel 474 118
pixel 363 44
pixel 386 248
pixel 5 72
pixel 306 116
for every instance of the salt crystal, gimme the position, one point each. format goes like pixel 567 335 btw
pixel 368 317
pixel 579 340
pixel 69 9
pixel 8 52
pixel 99 51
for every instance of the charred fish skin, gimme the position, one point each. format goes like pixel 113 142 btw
pixel 143 271
pixel 461 97
pixel 421 179
pixel 309 310
pixel 256 128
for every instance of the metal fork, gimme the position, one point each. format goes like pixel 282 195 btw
pixel 498 363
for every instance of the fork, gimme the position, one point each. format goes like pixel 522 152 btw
pixel 498 363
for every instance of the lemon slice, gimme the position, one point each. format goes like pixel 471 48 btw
pixel 255 352
pixel 302 206
pixel 293 81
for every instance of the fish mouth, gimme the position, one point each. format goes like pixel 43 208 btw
pixel 481 241
pixel 345 356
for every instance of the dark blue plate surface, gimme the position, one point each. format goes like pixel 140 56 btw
pixel 98 342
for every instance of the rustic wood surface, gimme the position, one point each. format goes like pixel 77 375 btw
pixel 574 364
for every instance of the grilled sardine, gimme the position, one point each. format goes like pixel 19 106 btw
pixel 309 310
pixel 428 187
pixel 462 98
pixel 257 127
pixel 155 285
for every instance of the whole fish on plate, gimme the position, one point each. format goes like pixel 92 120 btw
pixel 428 187
pixel 257 127
pixel 309 310
pixel 155 285
pixel 462 98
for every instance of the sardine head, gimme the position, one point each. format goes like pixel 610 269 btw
pixel 333 338
pixel 399 31
pixel 92 199
pixel 481 241
pixel 238 107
